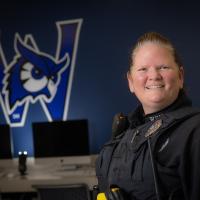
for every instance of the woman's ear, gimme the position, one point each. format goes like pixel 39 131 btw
pixel 130 82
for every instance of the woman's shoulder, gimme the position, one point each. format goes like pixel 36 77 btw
pixel 185 113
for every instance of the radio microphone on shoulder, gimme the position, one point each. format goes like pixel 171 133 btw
pixel 120 124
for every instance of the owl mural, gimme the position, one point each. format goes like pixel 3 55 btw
pixel 33 75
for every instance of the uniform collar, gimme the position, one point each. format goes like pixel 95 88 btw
pixel 138 118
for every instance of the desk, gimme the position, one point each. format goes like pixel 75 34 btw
pixel 51 173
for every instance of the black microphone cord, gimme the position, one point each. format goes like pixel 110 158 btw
pixel 155 177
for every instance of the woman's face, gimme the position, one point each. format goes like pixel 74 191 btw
pixel 154 77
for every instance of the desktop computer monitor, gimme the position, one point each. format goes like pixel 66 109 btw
pixel 60 138
pixel 5 142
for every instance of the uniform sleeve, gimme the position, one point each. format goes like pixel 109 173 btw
pixel 189 169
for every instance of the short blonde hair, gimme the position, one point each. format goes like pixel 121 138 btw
pixel 157 38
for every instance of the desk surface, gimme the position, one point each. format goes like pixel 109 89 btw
pixel 12 181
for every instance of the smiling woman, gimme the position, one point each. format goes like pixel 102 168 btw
pixel 157 155
pixel 154 76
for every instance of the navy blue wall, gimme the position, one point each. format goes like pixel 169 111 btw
pixel 109 28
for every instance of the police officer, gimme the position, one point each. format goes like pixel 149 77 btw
pixel 157 156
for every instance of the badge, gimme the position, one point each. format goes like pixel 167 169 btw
pixel 153 128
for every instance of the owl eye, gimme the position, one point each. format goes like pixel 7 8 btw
pixel 36 73
pixel 32 78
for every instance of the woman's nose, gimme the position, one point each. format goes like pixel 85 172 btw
pixel 154 74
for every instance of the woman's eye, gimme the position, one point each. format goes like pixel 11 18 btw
pixel 164 67
pixel 142 69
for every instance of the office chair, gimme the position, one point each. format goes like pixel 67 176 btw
pixel 63 192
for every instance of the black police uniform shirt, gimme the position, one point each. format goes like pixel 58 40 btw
pixel 174 136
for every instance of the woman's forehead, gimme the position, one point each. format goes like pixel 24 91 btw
pixel 152 51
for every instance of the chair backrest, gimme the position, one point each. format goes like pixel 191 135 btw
pixel 63 192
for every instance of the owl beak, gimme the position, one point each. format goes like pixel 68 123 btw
pixel 52 88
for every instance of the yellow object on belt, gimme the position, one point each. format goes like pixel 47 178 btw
pixel 102 196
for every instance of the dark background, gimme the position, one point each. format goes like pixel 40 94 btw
pixel 109 29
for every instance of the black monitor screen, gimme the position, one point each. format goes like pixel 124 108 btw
pixel 60 138
pixel 5 142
